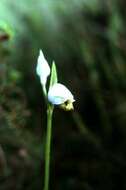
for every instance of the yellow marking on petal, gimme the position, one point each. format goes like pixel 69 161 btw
pixel 67 106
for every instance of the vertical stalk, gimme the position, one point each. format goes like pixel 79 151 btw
pixel 44 90
pixel 48 146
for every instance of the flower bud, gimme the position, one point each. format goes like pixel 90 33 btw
pixel 42 69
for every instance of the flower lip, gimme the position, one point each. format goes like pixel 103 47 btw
pixel 42 69
pixel 59 94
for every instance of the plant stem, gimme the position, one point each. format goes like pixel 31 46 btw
pixel 44 90
pixel 48 146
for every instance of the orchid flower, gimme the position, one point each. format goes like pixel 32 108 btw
pixel 60 95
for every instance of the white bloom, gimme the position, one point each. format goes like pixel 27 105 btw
pixel 59 94
pixel 42 69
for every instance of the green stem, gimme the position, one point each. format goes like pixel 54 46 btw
pixel 48 145
pixel 44 90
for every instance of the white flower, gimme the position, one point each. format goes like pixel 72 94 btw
pixel 42 69
pixel 59 94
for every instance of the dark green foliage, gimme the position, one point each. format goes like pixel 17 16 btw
pixel 87 40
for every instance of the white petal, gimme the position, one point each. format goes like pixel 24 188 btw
pixel 42 69
pixel 58 94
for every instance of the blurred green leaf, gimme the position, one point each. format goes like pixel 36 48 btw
pixel 6 31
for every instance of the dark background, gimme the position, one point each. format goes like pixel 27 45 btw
pixel 87 40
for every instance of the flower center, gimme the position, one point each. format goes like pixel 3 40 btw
pixel 67 106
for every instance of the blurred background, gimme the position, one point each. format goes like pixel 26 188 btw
pixel 87 40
